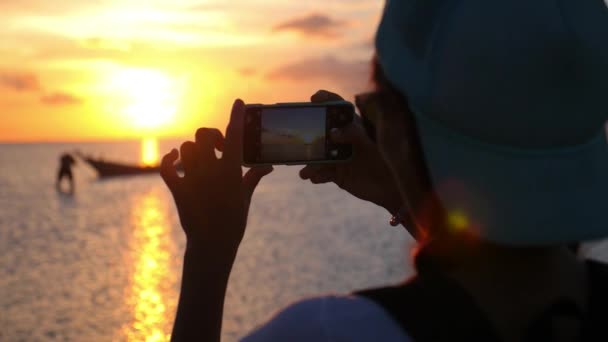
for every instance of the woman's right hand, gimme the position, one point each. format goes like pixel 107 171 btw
pixel 366 175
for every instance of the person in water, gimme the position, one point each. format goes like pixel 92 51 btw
pixel 66 161
pixel 485 139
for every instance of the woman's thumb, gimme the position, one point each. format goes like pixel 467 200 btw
pixel 252 178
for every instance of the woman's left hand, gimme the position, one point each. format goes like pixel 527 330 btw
pixel 213 196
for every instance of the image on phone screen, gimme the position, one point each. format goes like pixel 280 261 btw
pixel 296 135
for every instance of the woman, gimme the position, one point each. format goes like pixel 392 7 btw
pixel 489 148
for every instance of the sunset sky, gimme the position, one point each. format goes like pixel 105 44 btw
pixel 109 69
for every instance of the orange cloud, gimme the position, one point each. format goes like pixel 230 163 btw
pixel 43 7
pixel 19 81
pixel 29 82
pixel 247 71
pixel 314 25
pixel 350 76
pixel 59 99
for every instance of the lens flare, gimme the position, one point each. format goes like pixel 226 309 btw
pixel 458 221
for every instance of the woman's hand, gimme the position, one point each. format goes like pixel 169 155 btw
pixel 366 176
pixel 213 196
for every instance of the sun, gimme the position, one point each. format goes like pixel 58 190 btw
pixel 150 98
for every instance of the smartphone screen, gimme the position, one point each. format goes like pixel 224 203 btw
pixel 293 134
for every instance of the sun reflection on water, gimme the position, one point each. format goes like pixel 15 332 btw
pixel 152 296
pixel 149 151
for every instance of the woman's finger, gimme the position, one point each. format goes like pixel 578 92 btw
pixel 207 140
pixel 310 170
pixel 353 133
pixel 324 96
pixel 168 171
pixel 233 144
pixel 188 155
pixel 324 176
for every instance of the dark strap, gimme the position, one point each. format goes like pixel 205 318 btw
pixel 432 307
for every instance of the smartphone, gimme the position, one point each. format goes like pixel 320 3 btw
pixel 295 133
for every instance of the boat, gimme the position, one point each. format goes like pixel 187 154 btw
pixel 113 169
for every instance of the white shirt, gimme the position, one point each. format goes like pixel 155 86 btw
pixel 330 318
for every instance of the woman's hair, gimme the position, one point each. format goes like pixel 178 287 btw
pixel 438 248
pixel 426 255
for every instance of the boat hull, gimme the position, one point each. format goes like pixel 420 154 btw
pixel 112 169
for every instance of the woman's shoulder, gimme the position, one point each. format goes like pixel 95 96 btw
pixel 330 318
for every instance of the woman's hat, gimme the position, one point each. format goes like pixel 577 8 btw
pixel 510 99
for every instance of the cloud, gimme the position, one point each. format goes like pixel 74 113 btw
pixel 19 81
pixel 59 99
pixel 313 25
pixel 212 6
pixel 29 82
pixel 366 44
pixel 44 7
pixel 49 47
pixel 247 71
pixel 349 76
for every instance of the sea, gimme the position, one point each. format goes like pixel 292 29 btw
pixel 104 263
